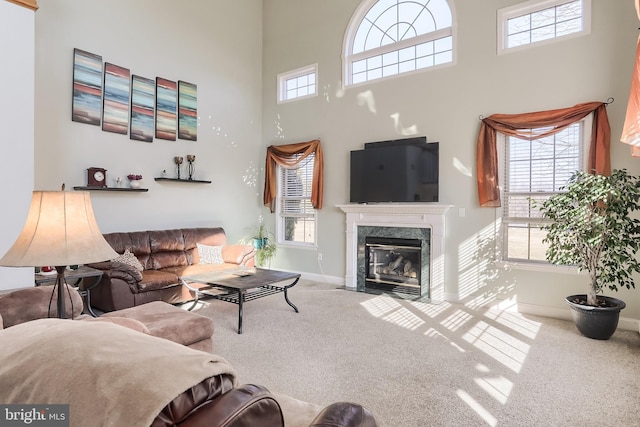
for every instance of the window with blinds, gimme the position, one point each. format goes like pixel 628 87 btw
pixel 296 215
pixel 534 170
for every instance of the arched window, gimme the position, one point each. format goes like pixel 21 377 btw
pixel 390 37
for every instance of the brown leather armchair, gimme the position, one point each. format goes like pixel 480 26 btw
pixel 249 405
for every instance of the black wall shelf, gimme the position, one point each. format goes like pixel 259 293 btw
pixel 138 190
pixel 190 181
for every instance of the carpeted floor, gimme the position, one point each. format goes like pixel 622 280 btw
pixel 417 364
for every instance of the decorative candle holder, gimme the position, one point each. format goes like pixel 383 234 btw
pixel 178 160
pixel 191 158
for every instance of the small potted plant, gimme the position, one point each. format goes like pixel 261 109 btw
pixel 590 226
pixel 134 180
pixel 264 242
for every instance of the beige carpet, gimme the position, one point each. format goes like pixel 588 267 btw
pixel 417 364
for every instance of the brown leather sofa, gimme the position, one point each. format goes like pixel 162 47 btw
pixel 165 255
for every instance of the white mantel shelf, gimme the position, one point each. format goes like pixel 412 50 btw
pixel 396 208
pixel 418 215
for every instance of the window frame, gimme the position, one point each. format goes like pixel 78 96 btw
pixel 502 238
pixel 533 6
pixel 280 217
pixel 284 77
pixel 349 58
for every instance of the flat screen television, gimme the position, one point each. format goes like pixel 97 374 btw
pixel 402 170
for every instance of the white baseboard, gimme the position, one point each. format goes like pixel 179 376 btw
pixel 334 280
pixel 625 323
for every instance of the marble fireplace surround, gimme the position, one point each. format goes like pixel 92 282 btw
pixel 404 215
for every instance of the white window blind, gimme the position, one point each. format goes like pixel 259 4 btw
pixel 535 169
pixel 297 217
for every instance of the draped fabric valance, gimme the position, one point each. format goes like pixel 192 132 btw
pixel 537 125
pixel 631 128
pixel 285 155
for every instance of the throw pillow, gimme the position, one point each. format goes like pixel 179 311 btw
pixel 210 254
pixel 130 259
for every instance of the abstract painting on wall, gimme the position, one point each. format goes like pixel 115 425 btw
pixel 142 105
pixel 166 102
pixel 87 87
pixel 115 109
pixel 187 111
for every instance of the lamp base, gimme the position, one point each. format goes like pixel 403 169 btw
pixel 60 285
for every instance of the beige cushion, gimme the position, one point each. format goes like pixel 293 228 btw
pixel 130 259
pixel 210 254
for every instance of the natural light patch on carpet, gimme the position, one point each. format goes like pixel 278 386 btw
pixel 431 310
pixel 405 318
pixel 455 320
pixel 392 311
pixel 515 322
pixel 497 387
pixel 380 305
pixel 477 408
pixel 502 347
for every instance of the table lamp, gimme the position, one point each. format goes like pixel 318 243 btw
pixel 60 230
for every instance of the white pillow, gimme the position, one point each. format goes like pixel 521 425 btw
pixel 210 254
pixel 130 259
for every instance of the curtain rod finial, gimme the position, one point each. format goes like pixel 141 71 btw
pixel 609 100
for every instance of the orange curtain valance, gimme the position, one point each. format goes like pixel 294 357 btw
pixel 631 128
pixel 528 126
pixel 284 155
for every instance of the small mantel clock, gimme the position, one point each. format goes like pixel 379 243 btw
pixel 96 177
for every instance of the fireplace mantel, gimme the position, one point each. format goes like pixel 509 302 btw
pixel 415 215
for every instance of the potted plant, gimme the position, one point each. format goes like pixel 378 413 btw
pixel 264 242
pixel 591 227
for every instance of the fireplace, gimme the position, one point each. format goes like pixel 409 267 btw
pixel 419 221
pixel 393 265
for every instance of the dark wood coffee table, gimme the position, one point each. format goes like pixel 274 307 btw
pixel 240 285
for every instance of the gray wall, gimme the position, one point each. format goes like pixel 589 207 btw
pixel 444 105
pixel 214 44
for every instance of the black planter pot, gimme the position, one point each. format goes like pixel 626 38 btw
pixel 596 322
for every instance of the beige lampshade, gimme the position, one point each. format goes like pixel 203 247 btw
pixel 60 230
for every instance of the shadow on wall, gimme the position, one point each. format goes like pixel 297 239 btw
pixel 481 279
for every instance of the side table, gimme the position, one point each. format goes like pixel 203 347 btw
pixel 75 275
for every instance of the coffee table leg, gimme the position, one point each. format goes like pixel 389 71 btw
pixel 240 301
pixel 195 293
pixel 286 295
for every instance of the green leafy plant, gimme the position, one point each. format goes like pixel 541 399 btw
pixel 591 227
pixel 264 242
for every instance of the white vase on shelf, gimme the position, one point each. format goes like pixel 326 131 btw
pixel 135 183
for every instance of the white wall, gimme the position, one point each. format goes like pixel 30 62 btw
pixel 16 121
pixel 215 44
pixel 444 105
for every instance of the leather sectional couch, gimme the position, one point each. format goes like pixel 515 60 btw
pixel 165 255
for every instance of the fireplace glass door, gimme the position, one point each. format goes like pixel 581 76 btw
pixel 393 264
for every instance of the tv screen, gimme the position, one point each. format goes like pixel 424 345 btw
pixel 403 170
